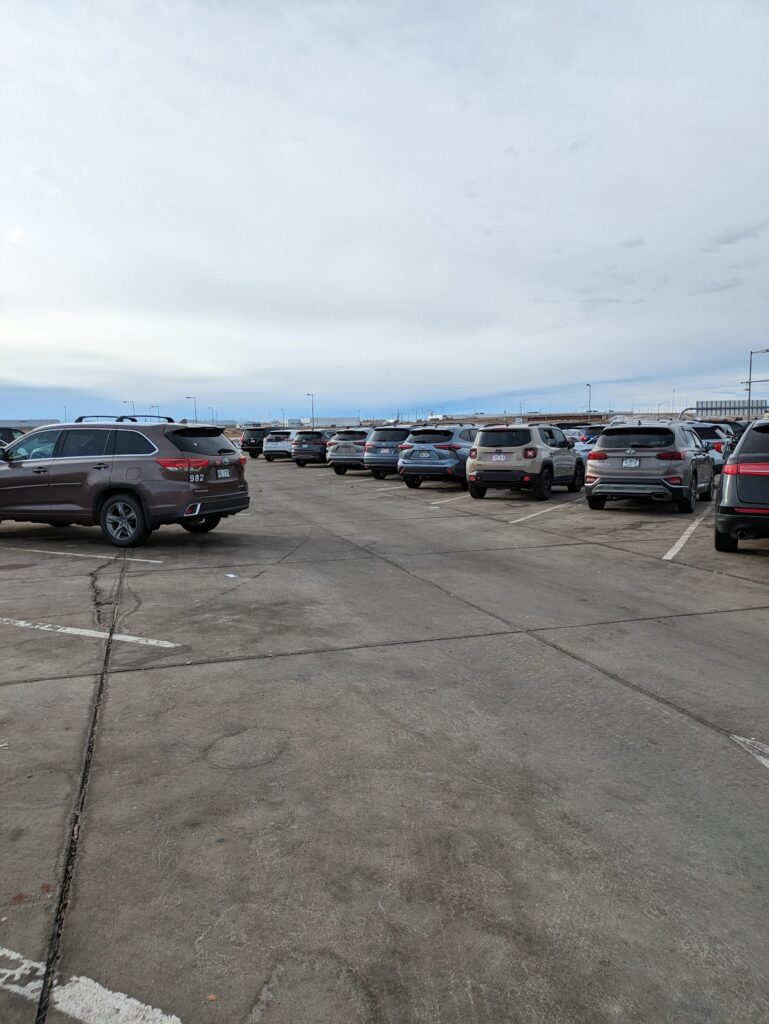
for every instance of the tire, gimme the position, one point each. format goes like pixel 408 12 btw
pixel 725 541
pixel 597 504
pixel 544 486
pixel 340 470
pixel 300 463
pixel 708 494
pixel 269 458
pixel 412 482
pixel 123 522
pixel 204 525
pixel 687 505
pixel 578 480
pixel 254 455
pixel 378 474
pixel 476 491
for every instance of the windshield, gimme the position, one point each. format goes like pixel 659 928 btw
pixel 202 441
pixel 390 435
pixel 503 438
pixel 430 436
pixel 351 435
pixel 636 437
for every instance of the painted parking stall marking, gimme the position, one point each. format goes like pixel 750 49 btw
pixel 669 555
pixel 76 554
pixel 81 999
pixel 96 634
pixel 759 750
pixel 552 508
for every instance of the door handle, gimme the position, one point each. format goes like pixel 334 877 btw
pixel 101 465
pixel 40 470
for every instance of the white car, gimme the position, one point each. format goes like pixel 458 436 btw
pixel 277 445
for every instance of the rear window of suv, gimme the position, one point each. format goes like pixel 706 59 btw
pixel 503 438
pixel 708 433
pixel 390 435
pixel 309 435
pixel 756 440
pixel 636 437
pixel 254 435
pixel 351 435
pixel 202 441
pixel 431 436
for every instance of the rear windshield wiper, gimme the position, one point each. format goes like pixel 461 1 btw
pixel 224 451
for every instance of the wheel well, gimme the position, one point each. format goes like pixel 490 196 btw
pixel 115 489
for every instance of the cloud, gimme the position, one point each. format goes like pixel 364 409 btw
pixel 259 200
pixel 735 235
pixel 711 287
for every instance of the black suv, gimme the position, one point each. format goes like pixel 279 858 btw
pixel 8 434
pixel 742 512
pixel 253 440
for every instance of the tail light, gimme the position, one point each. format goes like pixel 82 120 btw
pixel 403 447
pixel 670 456
pixel 242 460
pixel 185 463
pixel 719 446
pixel 590 478
pixel 368 447
pixel 746 469
pixel 330 444
pixel 597 456
pixel 584 438
pixel 529 453
pixel 473 453
pixel 753 511
pixel 448 447
pixel 674 480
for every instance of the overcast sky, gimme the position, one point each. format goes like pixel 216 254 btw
pixel 391 204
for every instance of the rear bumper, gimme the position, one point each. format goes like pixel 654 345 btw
pixel 433 472
pixel 276 454
pixel 252 449
pixel 380 462
pixel 507 479
pixel 748 527
pixel 348 463
pixel 310 456
pixel 650 490
pixel 220 505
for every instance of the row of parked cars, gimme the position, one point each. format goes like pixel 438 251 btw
pixel 674 460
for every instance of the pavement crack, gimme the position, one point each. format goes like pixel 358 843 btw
pixel 99 598
pixel 75 824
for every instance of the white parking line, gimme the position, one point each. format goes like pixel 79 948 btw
pixel 82 999
pixel 75 554
pixel 552 508
pixel 76 631
pixel 759 750
pixel 685 536
pixel 458 498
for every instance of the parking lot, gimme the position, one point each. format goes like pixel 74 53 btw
pixel 372 755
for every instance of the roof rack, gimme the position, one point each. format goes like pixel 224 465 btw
pixel 124 418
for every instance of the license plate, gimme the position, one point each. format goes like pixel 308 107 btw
pixel 222 474
pixel 385 451
pixel 498 458
pixel 425 455
pixel 304 446
pixel 631 463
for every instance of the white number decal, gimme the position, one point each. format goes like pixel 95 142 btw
pixel 196 478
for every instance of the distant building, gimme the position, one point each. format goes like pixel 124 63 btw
pixel 738 408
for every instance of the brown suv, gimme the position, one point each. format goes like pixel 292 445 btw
pixel 128 477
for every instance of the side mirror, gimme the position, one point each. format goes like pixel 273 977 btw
pixel 3 454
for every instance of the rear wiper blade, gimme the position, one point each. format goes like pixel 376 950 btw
pixel 224 451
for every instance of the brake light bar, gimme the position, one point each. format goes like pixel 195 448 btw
pixel 746 469
pixel 186 463
pixel 448 447
pixel 403 447
pixel 671 456
pixel 754 511
pixel 597 456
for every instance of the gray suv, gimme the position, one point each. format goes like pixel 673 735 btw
pixel 310 446
pixel 382 450
pixel 127 477
pixel 346 449
pixel 436 453
pixel 649 460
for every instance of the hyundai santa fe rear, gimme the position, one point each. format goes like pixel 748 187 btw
pixel 743 504
pixel 129 478
pixel 311 446
pixel 649 461
pixel 436 453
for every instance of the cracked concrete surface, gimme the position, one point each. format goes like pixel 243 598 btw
pixel 412 764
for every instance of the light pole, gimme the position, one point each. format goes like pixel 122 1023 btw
pixel 589 397
pixel 211 410
pixel 311 396
pixel 754 352
pixel 155 407
pixel 130 401
pixel 282 417
pixel 65 414
pixel 194 405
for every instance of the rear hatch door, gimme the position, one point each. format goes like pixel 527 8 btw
pixel 753 467
pixel 215 466
pixel 429 446
pixel 385 441
pixel 633 453
pixel 503 448
pixel 348 444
